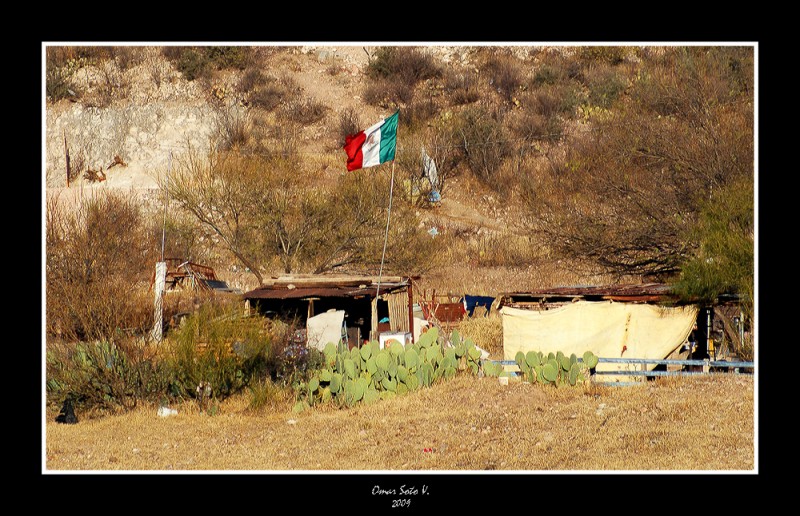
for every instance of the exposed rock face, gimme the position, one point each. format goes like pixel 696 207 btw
pixel 142 136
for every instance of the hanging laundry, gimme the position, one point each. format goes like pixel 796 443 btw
pixel 429 170
pixel 471 302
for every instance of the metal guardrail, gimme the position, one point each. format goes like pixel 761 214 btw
pixel 704 367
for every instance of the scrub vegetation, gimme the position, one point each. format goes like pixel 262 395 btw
pixel 555 165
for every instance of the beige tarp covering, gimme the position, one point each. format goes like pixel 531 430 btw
pixel 605 327
pixel 323 328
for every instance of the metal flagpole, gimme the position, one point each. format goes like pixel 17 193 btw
pixel 386 236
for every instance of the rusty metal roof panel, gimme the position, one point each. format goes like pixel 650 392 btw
pixel 634 292
pixel 301 292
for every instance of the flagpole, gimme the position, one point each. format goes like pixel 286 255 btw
pixel 386 235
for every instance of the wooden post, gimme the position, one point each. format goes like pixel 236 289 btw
pixel 158 321
pixel 66 149
pixel 410 310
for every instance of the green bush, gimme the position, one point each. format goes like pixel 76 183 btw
pixel 217 346
pixel 605 87
pixel 103 375
pixel 724 259
pixel 547 75
pixel 61 64
pixel 406 64
pixel 602 54
pixel 58 84
pixel 192 62
pixel 223 57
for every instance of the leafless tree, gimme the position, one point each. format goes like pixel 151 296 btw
pixel 625 196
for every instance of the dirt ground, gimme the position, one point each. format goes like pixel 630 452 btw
pixel 468 441
pixel 468 424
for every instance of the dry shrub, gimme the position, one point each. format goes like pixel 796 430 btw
pixel 505 75
pixel 251 80
pixel 304 111
pixel 110 84
pixel 484 143
pixel 234 125
pixel 97 264
pixel 349 123
pixel 264 395
pixel 284 140
pixel 395 73
pixel 493 249
pixel 462 87
pixel 533 126
pixel 266 95
pixel 128 57
pixel 419 112
pixel 386 93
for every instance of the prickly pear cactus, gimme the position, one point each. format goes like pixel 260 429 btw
pixel 531 358
pixel 550 371
pixel 412 359
pixel 589 359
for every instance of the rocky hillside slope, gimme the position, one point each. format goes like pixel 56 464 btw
pixel 129 125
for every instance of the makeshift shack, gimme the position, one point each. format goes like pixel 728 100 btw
pixel 621 321
pixel 183 275
pixel 351 307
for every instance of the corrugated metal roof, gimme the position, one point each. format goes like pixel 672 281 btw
pixel 322 286
pixel 644 293
pixel 644 289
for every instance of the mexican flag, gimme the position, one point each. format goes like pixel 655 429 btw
pixel 372 146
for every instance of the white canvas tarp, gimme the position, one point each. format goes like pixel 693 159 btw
pixel 323 328
pixel 606 328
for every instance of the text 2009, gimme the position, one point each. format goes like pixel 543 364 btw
pixel 402 502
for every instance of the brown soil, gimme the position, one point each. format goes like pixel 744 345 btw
pixel 466 424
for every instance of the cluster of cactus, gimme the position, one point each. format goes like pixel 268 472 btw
pixel 555 368
pixel 369 373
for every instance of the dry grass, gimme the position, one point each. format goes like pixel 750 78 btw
pixel 486 330
pixel 466 424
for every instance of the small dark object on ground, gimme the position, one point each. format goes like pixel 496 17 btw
pixel 67 414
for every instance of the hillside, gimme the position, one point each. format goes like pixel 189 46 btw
pixel 161 114
pixel 128 113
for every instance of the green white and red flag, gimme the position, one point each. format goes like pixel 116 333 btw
pixel 372 146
